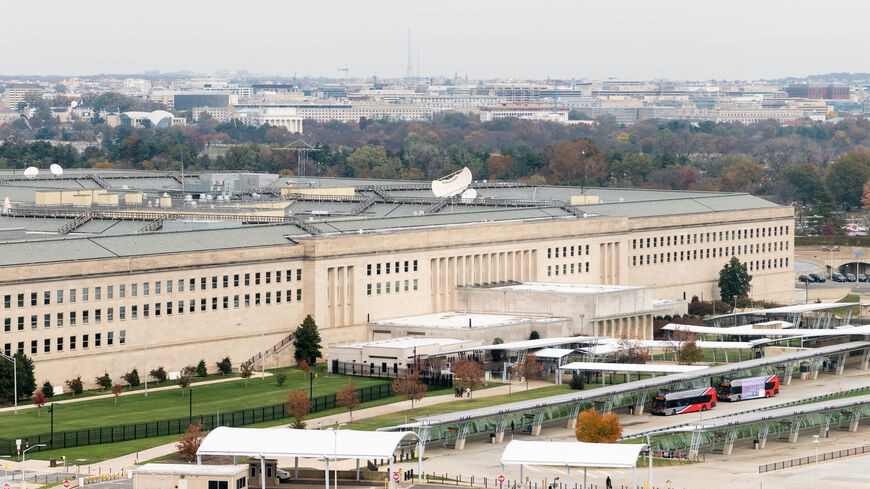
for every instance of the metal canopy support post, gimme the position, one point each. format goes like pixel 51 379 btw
pixel 763 431
pixel 420 448
pixel 390 477
pixel 728 447
pixel 815 363
pixel 695 444
pixel 573 413
pixel 584 477
pixel 357 470
pixel 326 471
pixel 538 421
pixel 865 359
pixel 841 363
pixel 825 424
pixel 853 422
pixel 828 318
pixel 500 427
pixel 794 430
pixel 295 467
pixel 461 434
pixel 263 473
pixel 789 372
pixel 640 402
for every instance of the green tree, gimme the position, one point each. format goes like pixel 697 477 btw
pixel 632 169
pixel 804 180
pixel 132 377
pixel 26 380
pixel 201 370
pixel 734 280
pixel 76 386
pixel 497 354
pixel 690 353
pixel 577 382
pixel 374 162
pixel 225 366
pixel 47 389
pixel 158 374
pixel 307 341
pixel 104 381
pixel 846 177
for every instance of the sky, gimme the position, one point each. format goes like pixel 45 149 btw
pixel 483 39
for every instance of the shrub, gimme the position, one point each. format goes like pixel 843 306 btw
pixel 159 374
pixel 104 381
pixel 132 378
pixel 225 366
pixel 75 385
pixel 201 370
pixel 47 389
pixel 534 335
pixel 577 382
pixel 280 378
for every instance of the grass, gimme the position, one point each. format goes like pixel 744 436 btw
pixel 207 399
pixel 840 311
pixel 399 417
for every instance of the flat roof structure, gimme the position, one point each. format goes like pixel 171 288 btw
pixel 632 367
pixel 585 289
pixel 795 309
pixel 462 320
pixel 528 344
pixel 750 331
pixel 406 342
pixel 190 469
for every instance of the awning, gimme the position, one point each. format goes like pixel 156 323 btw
pixel 285 442
pixel 554 352
pixel 571 454
pixel 631 367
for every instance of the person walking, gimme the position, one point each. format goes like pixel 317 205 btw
pixel 608 484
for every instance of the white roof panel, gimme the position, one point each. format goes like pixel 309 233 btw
pixel 554 352
pixel 190 469
pixel 571 288
pixel 529 344
pixel 284 442
pixel 573 454
pixel 795 309
pixel 750 331
pixel 631 367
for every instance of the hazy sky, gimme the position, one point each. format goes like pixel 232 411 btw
pixel 733 39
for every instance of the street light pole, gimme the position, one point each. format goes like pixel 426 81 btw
pixel 335 451
pixel 816 469
pixel 310 386
pixel 649 449
pixel 51 436
pixel 24 459
pixel 831 250
pixel 14 377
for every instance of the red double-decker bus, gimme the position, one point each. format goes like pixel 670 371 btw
pixel 748 388
pixel 687 401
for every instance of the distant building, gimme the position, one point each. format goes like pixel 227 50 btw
pixel 159 119
pixel 187 101
pixel 18 92
pixel 286 117
pixel 830 92
pixel 524 111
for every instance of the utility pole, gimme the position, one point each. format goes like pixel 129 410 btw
pixel 301 148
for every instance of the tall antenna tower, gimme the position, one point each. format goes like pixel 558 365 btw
pixel 409 70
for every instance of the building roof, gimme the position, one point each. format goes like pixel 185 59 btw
pixel 581 289
pixel 631 367
pixel 285 442
pixel 571 454
pixel 461 320
pixel 406 342
pixel 190 469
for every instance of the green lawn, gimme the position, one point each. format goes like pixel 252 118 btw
pixel 399 417
pixel 207 399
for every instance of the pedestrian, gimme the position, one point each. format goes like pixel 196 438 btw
pixel 512 426
pixel 608 484
pixel 468 392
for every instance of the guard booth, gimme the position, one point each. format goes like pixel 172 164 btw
pixel 254 478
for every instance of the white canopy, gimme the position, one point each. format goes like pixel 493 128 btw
pixel 796 309
pixel 631 367
pixel 285 442
pixel 750 331
pixel 553 352
pixel 571 454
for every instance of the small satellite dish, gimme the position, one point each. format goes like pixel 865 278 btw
pixel 73 104
pixel 56 169
pixel 31 172
pixel 469 194
pixel 452 184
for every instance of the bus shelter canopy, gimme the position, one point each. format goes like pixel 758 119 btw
pixel 571 454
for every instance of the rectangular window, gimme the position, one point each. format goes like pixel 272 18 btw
pixel 289 295
pixel 192 285
pixel 387 267
pixel 72 295
pixel 97 315
pixel 181 285
pixel 202 304
pixel 257 278
pixel 110 314
pixel 226 281
pixel 157 309
pixel 180 307
pixel 378 288
pixel 72 342
pixel 247 300
pixel 298 295
pixel 278 277
pixel 33 347
pixel 378 269
pixel 122 291
pixel 85 317
pixel 145 288
pixel 387 284
pixel 110 292
pixel 257 299
pixel 122 336
pixel 268 298
pixel 134 290
pixel 33 321
pixel 146 311
pixel 46 345
pixel 20 300
pixel 277 297
pixel 169 286
pixel 214 303
pixel 288 276
pixel 110 337
pixel 368 290
pixel 191 306
pixel 97 338
pixel 84 341
pixel 20 323
pixel 157 287
pixel 214 281
pixel 33 299
pixel 202 283
pixel 406 285
pixel 60 344
pixel 235 301
pixel 122 313
pixel 85 294
pixel 7 299
pixel 268 277
pixel 134 312
pixel 59 319
pixel 169 308
pixel 7 325
pixel 415 282
pixel 247 279
pixel 236 280
pixel 97 293
pixel 298 274
pixel 59 296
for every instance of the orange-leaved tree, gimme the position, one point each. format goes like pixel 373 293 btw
pixel 189 441
pixel 410 387
pixel 39 400
pixel 528 366
pixel 594 427
pixel 467 374
pixel 117 389
pixel 298 406
pixel 347 398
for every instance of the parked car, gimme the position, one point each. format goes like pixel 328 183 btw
pixel 282 474
pixel 838 277
pixel 805 279
pixel 850 278
pixel 817 278
pixel 862 277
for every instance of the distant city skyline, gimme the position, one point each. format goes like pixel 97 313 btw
pixel 628 39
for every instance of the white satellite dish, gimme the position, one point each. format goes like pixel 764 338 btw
pixel 469 194
pixel 31 172
pixel 452 184
pixel 56 169
pixel 73 104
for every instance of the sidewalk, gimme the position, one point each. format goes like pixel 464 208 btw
pixel 130 393
pixel 126 461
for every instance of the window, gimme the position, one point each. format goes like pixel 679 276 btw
pixel 122 291
pixel 406 266
pixel 21 300
pixel 145 288
pixel 235 301
pixel 268 277
pixel 46 346
pixel 59 298
pixel 133 291
pixel 257 299
pixel 169 286
pixel 110 292
pixel 110 337
pixel 72 342
pixel 84 294
pixel 33 348
pixel 157 309
pixel 289 274
pixel 415 265
pixel 247 300
pixel 191 306
pixel 33 299
pixel 46 320
pixel 406 285
pixel 218 485
pixel 122 313
pixel 97 293
pixel 59 319
pixel 33 321
pixel 180 307
pixel 97 315
pixel 387 287
pixel 257 278
pixel 241 483
pixel 277 297
pixel 7 324
pixel 214 282
pixel 368 289
pixel 415 282
pixel 298 274
pixel 134 312
pixel 236 280
pixel 289 294
pixel 21 323
pixel 85 317
pixel 298 294
pixel 202 304
pixel 7 299
pixel 122 336
pixel 157 287
pixel 110 314
pixel 214 303
pixel 60 344
pixel 387 267
pixel 378 269
pixel 268 298
pixel 97 338
pixel 378 288
pixel 278 277
pixel 192 286
pixel 168 308
pixel 84 341
pixel 247 279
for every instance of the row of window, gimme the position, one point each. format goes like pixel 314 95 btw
pixel 410 266
pixel 72 295
pixel 388 287
pixel 710 237
pixel 72 344
pixel 564 266
pixel 689 255
pixel 158 309
pixel 554 252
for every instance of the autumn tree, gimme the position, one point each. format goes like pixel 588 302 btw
pixel 185 377
pixel 576 162
pixel 690 353
pixel 298 406
pixel 347 398
pixel 527 366
pixel 189 442
pixel 303 366
pixel 499 166
pixel 117 389
pixel 865 199
pixel 246 370
pixel 410 387
pixel 467 374
pixel 631 350
pixel 158 374
pixel 594 427
pixel 39 401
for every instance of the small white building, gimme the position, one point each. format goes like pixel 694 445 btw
pixel 190 476
pixel 389 357
pixel 525 111
pixel 286 117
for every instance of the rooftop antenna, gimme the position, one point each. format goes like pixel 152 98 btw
pixel 56 169
pixel 409 70
pixel 301 148
pixel 31 172
pixel 346 70
pixel 452 184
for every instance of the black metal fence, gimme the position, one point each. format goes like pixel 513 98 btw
pixel 390 371
pixel 797 462
pixel 175 426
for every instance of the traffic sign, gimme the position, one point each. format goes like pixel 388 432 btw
pixel 7 486
pixel 395 476
pixel 66 484
pixel 501 478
